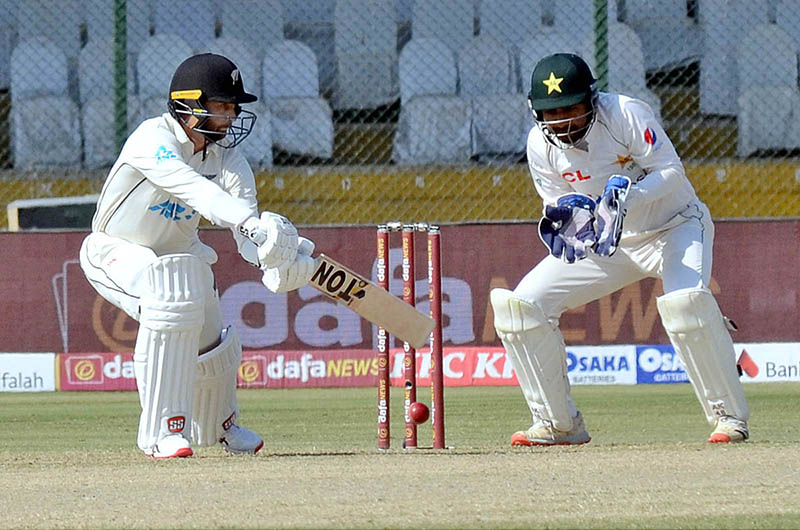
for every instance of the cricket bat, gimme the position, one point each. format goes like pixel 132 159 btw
pixel 373 303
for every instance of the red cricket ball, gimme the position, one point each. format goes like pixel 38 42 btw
pixel 419 412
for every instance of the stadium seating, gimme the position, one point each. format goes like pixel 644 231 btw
pixel 500 117
pixel 302 122
pixel 100 22
pixel 96 89
pixel 576 16
pixel 653 20
pixel 258 147
pixel 723 22
pixel 626 73
pixel 41 108
pixel 260 24
pixel 60 22
pixel 158 59
pixel 434 123
pixel 769 99
pixel 366 54
pixel 194 21
pixel 452 22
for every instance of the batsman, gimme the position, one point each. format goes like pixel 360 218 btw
pixel 618 208
pixel 144 255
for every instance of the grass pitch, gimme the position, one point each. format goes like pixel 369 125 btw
pixel 69 460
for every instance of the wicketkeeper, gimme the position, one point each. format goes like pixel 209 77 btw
pixel 618 208
pixel 144 256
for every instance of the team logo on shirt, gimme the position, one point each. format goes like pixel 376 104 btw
pixel 172 210
pixel 164 154
pixel 650 136
pixel 623 160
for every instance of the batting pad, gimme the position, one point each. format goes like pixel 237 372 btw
pixel 696 328
pixel 536 350
pixel 215 390
pixel 171 314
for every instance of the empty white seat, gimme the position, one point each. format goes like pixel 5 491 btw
pixel 366 53
pixel 38 68
pixel 545 42
pixel 257 147
pixel 757 68
pixel 626 72
pixel 485 66
pixel 768 118
pixel 97 96
pixel 98 128
pixel 41 108
pixel 427 67
pixel 244 56
pixel 434 123
pixel 58 21
pixel 96 71
pixel 260 24
pixel 767 110
pixel 510 22
pixel 500 120
pixel 452 22
pixel 7 37
pixel 433 129
pixel 576 16
pixel 289 69
pixel 787 17
pixel 45 132
pixel 158 59
pixel 723 22
pixel 192 20
pixel 500 124
pixel 301 121
pixel 311 22
pixel 100 22
pixel 308 11
pixel 302 126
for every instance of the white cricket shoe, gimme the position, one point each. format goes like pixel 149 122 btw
pixel 543 433
pixel 240 440
pixel 172 446
pixel 729 429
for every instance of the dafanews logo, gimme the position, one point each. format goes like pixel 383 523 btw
pixel 97 371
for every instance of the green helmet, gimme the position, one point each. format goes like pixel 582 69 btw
pixel 562 80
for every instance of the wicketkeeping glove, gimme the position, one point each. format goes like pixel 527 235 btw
pixel 610 213
pixel 568 228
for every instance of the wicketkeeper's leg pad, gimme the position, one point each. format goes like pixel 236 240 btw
pixel 696 328
pixel 165 356
pixel 215 407
pixel 536 349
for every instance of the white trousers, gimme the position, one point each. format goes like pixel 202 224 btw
pixel 115 267
pixel 681 256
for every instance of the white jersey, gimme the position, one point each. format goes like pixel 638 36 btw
pixel 159 188
pixel 626 139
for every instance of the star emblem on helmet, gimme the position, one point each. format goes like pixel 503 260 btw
pixel 553 84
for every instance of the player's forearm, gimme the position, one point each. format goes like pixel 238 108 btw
pixel 655 185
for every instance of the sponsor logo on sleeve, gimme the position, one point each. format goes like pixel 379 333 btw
pixel 650 136
pixel 164 154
